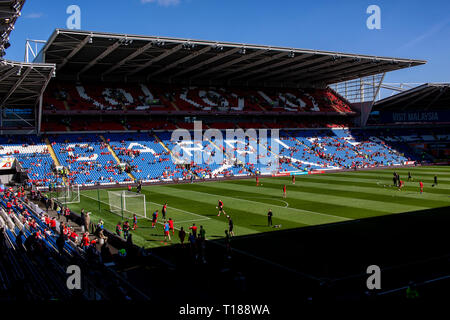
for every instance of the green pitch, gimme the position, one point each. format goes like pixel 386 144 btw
pixel 313 200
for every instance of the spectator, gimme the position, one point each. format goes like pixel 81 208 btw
pixel 87 221
pixel 182 236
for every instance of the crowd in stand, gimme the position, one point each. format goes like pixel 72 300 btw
pixel 88 159
pixel 45 244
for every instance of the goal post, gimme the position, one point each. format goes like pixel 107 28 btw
pixel 68 194
pixel 126 204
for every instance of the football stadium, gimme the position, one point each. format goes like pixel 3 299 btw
pixel 151 161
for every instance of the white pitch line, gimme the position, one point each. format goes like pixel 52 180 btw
pixel 181 210
pixel 267 198
pixel 295 209
pixel 193 220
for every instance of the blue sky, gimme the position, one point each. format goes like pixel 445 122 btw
pixel 409 29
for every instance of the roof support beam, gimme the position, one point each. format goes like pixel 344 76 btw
pixel 14 87
pixel 272 66
pixel 349 76
pixel 179 61
pixel 326 69
pixel 346 69
pixel 421 97
pixel 110 49
pixel 230 63
pixel 210 60
pixel 156 59
pixel 294 67
pixel 405 97
pixel 253 64
pixel 130 57
pixel 8 74
pixel 443 90
pixel 381 67
pixel 74 52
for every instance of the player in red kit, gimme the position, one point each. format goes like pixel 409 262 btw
pixel 284 191
pixel 164 210
pixel 257 181
pixel 400 184
pixel 421 187
pixel 154 218
pixel 171 227
pixel 293 179
pixel 220 207
pixel 134 221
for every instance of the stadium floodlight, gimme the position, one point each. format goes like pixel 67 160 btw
pixel 125 41
pixel 188 45
pixel 243 50
pixel 218 47
pixel 291 54
pixel 159 43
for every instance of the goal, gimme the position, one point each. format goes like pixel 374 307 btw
pixel 68 194
pixel 126 203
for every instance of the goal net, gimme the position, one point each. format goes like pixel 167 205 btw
pixel 68 194
pixel 125 203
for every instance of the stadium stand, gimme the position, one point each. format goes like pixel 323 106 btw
pixel 37 249
pixel 118 132
pixel 90 162
pixel 143 97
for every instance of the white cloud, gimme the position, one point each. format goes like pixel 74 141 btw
pixel 34 15
pixel 164 3
pixel 429 33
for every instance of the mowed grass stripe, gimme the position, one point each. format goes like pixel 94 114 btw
pixel 303 203
pixel 404 196
pixel 436 169
pixel 428 182
pixel 310 201
pixel 370 183
pixel 215 226
pixel 291 214
pixel 244 216
pixel 139 237
pixel 350 177
pixel 176 214
pixel 355 200
pixel 424 170
pixel 416 177
pixel 294 203
pixel 402 173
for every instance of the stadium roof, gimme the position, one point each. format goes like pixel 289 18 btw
pixel 9 12
pixel 429 96
pixel 21 84
pixel 84 55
